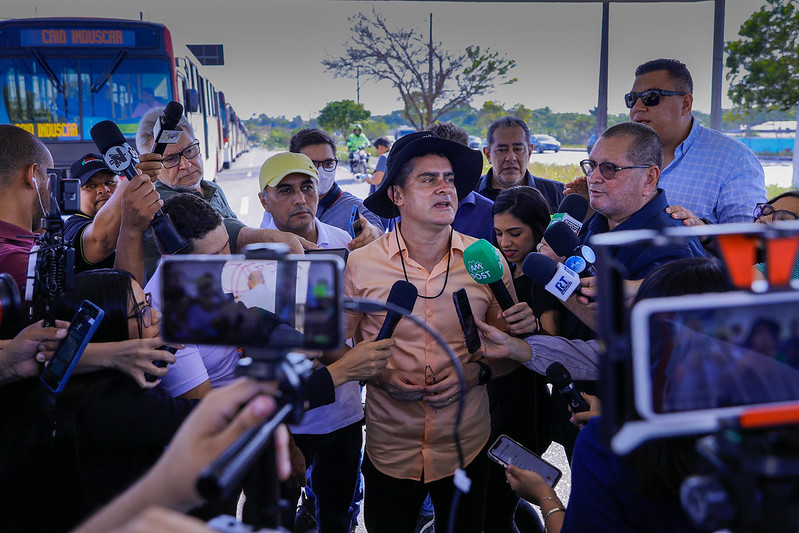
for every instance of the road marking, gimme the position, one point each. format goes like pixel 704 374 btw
pixel 249 174
pixel 245 206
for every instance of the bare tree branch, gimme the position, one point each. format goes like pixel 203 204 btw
pixel 401 57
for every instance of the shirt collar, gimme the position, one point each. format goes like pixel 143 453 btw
pixel 684 146
pixel 457 242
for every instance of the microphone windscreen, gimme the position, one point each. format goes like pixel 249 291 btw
pixel 106 135
pixel 561 238
pixel 174 110
pixel 558 375
pixel 483 262
pixel 539 268
pixel 575 205
pixel 403 294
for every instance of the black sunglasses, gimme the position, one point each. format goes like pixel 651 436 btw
pixel 607 169
pixel 764 210
pixel 649 98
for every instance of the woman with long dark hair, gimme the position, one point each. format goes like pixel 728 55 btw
pixel 72 455
pixel 520 402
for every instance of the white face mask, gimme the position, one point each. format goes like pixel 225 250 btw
pixel 326 180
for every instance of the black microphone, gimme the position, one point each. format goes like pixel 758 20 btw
pixel 403 295
pixel 562 381
pixel 556 277
pixel 572 210
pixel 121 158
pixel 166 130
pixel 564 242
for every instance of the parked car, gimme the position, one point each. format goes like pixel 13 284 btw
pixel 542 143
pixel 475 142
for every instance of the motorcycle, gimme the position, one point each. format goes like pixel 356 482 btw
pixel 358 161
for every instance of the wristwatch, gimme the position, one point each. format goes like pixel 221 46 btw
pixel 485 373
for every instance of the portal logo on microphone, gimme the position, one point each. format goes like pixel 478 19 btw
pixel 563 283
pixel 119 158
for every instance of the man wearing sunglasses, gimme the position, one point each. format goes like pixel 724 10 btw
pixel 709 177
pixel 183 172
pixel 622 176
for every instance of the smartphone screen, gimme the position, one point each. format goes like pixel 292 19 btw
pixel 507 451
pixel 83 325
pixel 466 319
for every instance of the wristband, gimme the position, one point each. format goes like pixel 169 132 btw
pixel 554 510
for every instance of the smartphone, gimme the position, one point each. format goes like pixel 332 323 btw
pixel 341 252
pixel 466 319
pixel 66 356
pixel 507 451
pixel 149 378
pixel 355 222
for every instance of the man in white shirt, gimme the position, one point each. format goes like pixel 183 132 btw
pixel 289 186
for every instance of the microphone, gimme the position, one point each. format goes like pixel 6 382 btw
pixel 484 265
pixel 572 210
pixel 403 295
pixel 562 381
pixel 564 242
pixel 557 278
pixel 166 130
pixel 121 158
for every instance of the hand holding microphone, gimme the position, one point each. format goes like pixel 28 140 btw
pixel 562 382
pixel 122 158
pixel 403 295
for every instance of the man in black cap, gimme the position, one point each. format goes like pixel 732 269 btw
pixel 412 404
pixel 113 212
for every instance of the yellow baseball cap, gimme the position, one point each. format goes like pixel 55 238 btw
pixel 281 165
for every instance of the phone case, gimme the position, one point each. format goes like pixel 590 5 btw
pixel 57 373
pixel 466 320
pixel 507 451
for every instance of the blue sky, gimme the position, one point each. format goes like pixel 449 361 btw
pixel 274 48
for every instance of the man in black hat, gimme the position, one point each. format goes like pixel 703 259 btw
pixel 112 211
pixel 411 406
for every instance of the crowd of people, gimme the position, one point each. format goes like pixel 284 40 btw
pixel 119 450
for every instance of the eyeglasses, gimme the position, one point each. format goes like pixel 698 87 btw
pixel 429 375
pixel 607 169
pixel 173 160
pixel 145 312
pixel 764 210
pixel 328 164
pixel 649 98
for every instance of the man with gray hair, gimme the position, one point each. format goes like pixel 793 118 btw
pixel 508 148
pixel 183 172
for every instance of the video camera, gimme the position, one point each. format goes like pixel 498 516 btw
pixel 268 303
pixel 720 365
pixel 64 191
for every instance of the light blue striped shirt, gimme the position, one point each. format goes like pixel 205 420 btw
pixel 714 176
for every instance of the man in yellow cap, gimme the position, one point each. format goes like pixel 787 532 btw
pixel 290 193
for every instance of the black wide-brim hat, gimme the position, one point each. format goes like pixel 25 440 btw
pixel 467 164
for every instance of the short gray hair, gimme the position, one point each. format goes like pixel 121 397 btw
pixel 144 133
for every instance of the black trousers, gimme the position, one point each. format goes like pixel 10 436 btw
pixel 336 459
pixel 520 408
pixel 392 505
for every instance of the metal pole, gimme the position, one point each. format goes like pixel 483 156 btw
pixel 718 64
pixel 602 105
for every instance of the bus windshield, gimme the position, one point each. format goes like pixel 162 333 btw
pixel 61 98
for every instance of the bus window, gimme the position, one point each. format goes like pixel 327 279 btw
pixel 31 97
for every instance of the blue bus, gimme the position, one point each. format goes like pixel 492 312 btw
pixel 61 76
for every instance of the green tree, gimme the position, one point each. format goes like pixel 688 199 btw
pixel 764 63
pixel 340 115
pixel 431 80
